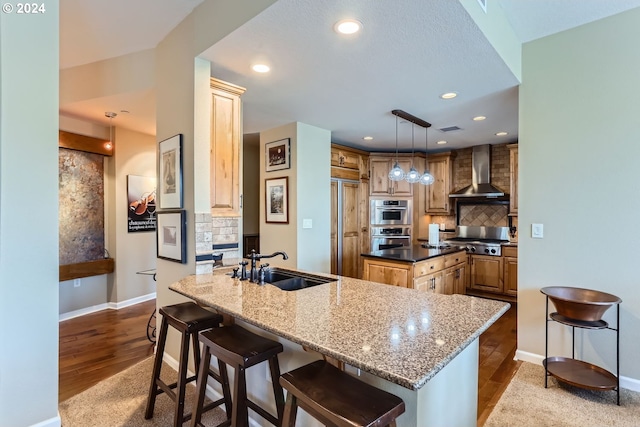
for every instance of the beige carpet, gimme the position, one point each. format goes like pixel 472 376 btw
pixel 527 403
pixel 120 401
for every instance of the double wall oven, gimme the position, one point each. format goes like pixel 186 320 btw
pixel 390 223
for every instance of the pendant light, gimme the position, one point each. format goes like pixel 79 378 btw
pixel 412 176
pixel 396 173
pixel 426 178
pixel 111 115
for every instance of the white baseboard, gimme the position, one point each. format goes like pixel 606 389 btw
pixel 105 306
pixel 625 382
pixel 51 422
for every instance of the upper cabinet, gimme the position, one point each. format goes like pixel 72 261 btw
pixel 349 163
pixel 513 168
pixel 380 184
pixel 437 200
pixel 226 134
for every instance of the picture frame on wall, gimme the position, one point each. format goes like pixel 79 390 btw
pixel 141 203
pixel 170 172
pixel 277 155
pixel 171 235
pixel 277 200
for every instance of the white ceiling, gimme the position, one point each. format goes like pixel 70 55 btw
pixel 408 53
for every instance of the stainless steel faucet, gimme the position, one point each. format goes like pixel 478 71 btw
pixel 255 257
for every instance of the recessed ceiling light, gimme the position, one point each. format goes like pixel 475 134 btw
pixel 368 138
pixel 261 68
pixel 479 118
pixel 448 95
pixel 347 26
pixel 441 142
pixel 502 133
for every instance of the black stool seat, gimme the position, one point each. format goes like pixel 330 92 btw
pixel 189 319
pixel 241 349
pixel 336 398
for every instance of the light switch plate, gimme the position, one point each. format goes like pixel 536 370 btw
pixel 537 231
pixel 307 223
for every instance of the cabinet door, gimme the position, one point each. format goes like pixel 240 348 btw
pixel 486 273
pixel 461 280
pixel 449 280
pixel 226 131
pixel 437 194
pixel 379 177
pixel 350 229
pixel 387 273
pixel 430 283
pixel 511 276
pixel 334 227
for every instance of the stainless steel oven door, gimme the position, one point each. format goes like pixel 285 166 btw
pixel 390 212
pixel 379 243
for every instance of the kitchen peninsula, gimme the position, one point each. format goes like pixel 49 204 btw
pixel 420 346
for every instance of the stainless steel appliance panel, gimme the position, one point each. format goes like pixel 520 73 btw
pixel 390 212
pixel 379 243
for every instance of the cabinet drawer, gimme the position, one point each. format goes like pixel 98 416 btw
pixel 455 259
pixel 428 267
pixel 510 251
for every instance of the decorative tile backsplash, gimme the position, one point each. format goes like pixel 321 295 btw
pixel 215 235
pixel 484 215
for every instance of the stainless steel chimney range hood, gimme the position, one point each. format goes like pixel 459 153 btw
pixel 480 176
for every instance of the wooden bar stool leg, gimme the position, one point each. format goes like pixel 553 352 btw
pixel 240 414
pixel 290 411
pixel 226 388
pixel 201 382
pixel 182 383
pixel 278 394
pixel 157 365
pixel 196 352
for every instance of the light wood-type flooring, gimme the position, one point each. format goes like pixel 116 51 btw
pixel 99 345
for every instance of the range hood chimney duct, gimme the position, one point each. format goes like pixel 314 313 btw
pixel 480 175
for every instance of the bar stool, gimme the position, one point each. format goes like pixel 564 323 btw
pixel 188 318
pixel 336 398
pixel 241 349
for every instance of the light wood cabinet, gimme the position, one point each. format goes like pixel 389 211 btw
pixel 387 272
pixel 486 273
pixel 225 143
pixel 513 179
pixel 437 201
pixel 345 234
pixel 510 275
pixel 442 275
pixel 380 184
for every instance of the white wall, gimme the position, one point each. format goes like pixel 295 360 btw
pixel 578 160
pixel 29 218
pixel 134 154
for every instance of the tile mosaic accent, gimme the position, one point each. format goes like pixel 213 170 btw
pixel 484 215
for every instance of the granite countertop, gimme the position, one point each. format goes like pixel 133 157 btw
pixel 402 335
pixel 413 253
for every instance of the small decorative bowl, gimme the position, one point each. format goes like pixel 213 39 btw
pixel 580 304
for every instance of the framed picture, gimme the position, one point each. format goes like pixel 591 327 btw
pixel 277 155
pixel 141 203
pixel 171 235
pixel 170 172
pixel 277 200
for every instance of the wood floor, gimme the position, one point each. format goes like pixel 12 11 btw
pixel 99 345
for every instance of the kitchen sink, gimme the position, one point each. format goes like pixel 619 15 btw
pixel 289 280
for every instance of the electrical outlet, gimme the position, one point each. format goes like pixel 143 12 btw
pixel 76 283
pixel 307 223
